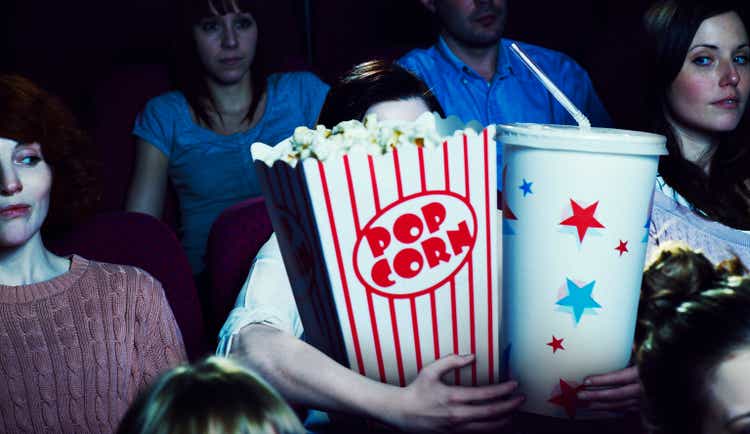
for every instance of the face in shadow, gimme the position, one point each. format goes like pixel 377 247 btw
pixel 25 184
pixel 226 45
pixel 729 396
pixel 400 110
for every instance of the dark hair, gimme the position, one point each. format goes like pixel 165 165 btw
pixel 670 27
pixel 214 396
pixel 189 73
pixel 691 317
pixel 28 114
pixel 370 83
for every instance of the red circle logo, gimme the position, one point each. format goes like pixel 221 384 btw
pixel 416 244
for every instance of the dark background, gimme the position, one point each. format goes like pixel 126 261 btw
pixel 107 58
pixel 71 47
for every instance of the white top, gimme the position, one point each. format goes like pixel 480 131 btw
pixel 265 298
pixel 661 185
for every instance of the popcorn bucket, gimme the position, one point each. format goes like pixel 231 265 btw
pixel 392 258
pixel 576 210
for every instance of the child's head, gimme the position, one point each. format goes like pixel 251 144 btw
pixel 215 396
pixel 693 344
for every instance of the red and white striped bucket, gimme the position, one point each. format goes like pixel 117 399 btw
pixel 393 258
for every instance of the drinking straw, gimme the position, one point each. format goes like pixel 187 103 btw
pixel 582 120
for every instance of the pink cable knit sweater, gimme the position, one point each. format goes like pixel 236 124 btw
pixel 76 350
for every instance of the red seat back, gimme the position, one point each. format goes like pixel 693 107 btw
pixel 118 99
pixel 143 241
pixel 235 238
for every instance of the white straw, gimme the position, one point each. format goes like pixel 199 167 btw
pixel 582 120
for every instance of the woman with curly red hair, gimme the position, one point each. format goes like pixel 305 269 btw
pixel 79 338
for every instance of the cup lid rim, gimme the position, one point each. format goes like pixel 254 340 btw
pixel 597 139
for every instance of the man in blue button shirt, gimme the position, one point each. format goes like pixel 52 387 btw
pixel 475 76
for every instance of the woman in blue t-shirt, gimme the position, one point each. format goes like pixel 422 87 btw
pixel 200 134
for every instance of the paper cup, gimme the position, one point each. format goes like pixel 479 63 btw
pixel 576 207
pixel 392 258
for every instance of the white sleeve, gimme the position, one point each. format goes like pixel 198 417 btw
pixel 265 298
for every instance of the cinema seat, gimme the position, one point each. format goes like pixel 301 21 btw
pixel 235 238
pixel 145 242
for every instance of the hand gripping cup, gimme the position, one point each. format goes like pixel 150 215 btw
pixel 392 257
pixel 576 210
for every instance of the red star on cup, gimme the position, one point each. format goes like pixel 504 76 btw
pixel 556 344
pixel 568 399
pixel 623 247
pixel 583 218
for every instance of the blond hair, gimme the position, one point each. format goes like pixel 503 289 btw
pixel 215 396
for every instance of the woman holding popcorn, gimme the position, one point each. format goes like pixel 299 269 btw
pixel 264 330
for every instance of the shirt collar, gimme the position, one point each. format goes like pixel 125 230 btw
pixel 503 68
pixel 503 58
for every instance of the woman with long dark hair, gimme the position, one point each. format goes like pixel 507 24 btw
pixel 700 85
pixel 200 134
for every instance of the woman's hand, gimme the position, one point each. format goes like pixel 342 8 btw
pixel 429 405
pixel 615 391
pixel 307 377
